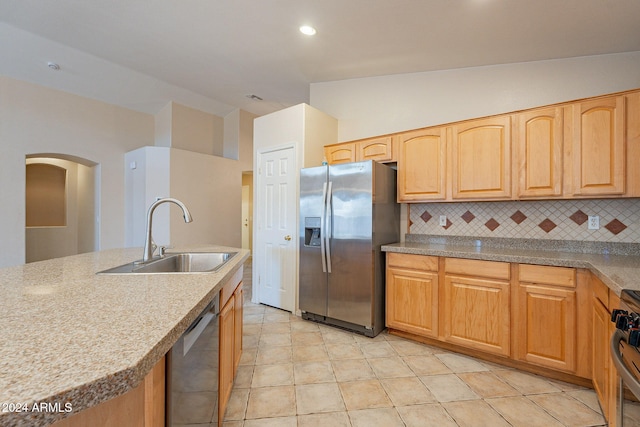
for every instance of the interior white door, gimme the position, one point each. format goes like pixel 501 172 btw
pixel 245 217
pixel 276 213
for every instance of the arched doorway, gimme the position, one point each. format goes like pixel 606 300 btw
pixel 61 206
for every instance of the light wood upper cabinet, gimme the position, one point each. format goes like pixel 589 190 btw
pixel 598 129
pixel 481 159
pixel 539 150
pixel 340 153
pixel 412 294
pixel 422 165
pixel 477 309
pixel 378 149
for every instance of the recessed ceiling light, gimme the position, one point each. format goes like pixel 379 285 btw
pixel 53 66
pixel 307 30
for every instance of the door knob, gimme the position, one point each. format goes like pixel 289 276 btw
pixel 287 237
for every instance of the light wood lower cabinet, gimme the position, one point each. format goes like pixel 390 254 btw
pixel 412 294
pixel 476 310
pixel 231 299
pixel 534 316
pixel 545 326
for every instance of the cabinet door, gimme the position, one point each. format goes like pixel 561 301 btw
pixel 539 146
pixel 476 313
pixel 422 165
pixel 412 301
pixel 225 369
pixel 378 149
pixel 600 354
pixel 598 146
pixel 481 159
pixel 546 326
pixel 340 153
pixel 237 327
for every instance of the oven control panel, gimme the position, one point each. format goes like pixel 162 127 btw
pixel 629 323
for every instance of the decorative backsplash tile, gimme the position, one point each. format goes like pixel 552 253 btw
pixel 553 219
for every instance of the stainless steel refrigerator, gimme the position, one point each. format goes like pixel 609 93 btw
pixel 347 212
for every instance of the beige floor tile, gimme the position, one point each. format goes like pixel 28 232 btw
pixel 237 405
pixel 567 410
pixel 365 339
pixel 273 355
pixel 304 326
pixel 311 353
pixel 588 397
pixel 407 391
pixel 272 422
pixel 426 365
pixel 277 316
pixel 527 383
pixel 248 356
pixel 344 351
pixel 253 319
pixel 381 417
pixel 459 363
pixel 487 384
pixel 377 349
pixel 273 340
pixel 227 424
pixel 522 412
pixel 306 338
pixel 429 415
pixel 250 341
pixel 269 402
pixel 331 419
pixel 255 329
pixel 390 367
pixel 352 370
pixel 408 348
pixel 277 328
pixel 318 398
pixel 366 394
pixel 243 376
pixel 272 375
pixel 448 388
pixel 313 372
pixel 333 336
pixel 474 413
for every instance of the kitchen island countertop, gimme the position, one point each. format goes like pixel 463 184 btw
pixel 617 271
pixel 71 336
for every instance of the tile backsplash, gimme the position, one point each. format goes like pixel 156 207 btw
pixel 553 219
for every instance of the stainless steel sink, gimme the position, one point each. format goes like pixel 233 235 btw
pixel 185 262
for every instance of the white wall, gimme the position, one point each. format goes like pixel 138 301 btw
pixel 381 105
pixel 210 186
pixel 35 119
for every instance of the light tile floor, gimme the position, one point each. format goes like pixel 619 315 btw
pixel 298 373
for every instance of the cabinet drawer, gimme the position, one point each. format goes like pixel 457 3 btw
pixel 471 267
pixel 414 262
pixel 541 274
pixel 230 287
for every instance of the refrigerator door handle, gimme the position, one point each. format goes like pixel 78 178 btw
pixel 322 227
pixel 327 234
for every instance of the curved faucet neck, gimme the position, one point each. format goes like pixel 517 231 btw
pixel 149 245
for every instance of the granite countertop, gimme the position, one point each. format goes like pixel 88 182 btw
pixel 71 336
pixel 616 264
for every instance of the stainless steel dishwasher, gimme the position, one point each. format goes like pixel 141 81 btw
pixel 192 372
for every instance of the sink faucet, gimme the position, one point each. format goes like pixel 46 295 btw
pixel 149 245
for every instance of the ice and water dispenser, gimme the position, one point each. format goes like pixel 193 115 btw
pixel 312 231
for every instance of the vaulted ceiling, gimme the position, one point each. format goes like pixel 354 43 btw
pixel 212 54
